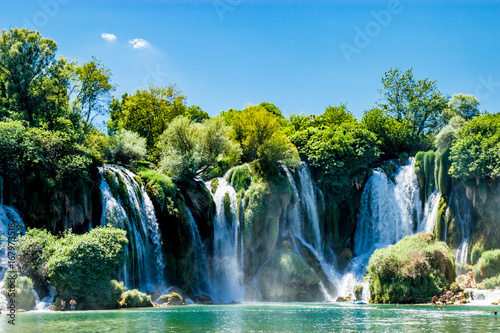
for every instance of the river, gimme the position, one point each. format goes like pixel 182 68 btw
pixel 265 317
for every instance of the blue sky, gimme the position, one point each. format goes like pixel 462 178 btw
pixel 300 55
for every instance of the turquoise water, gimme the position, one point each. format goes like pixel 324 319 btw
pixel 283 317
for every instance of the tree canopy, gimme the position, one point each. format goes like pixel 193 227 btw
pixel 417 101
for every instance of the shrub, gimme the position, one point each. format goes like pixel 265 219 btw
pixel 23 290
pixel 126 147
pixel 79 266
pixel 32 254
pixel 492 283
pixel 489 264
pixel 412 270
pixel 476 253
pixel 135 299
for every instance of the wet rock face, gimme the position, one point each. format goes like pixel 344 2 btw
pixel 287 278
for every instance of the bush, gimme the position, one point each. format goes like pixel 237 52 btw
pixel 412 270
pixel 489 264
pixel 126 147
pixel 23 290
pixel 492 283
pixel 33 254
pixel 476 253
pixel 78 266
pixel 135 299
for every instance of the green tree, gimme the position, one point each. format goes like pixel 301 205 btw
pixel 126 147
pixel 147 112
pixel 80 266
pixel 190 149
pixel 334 116
pixel 337 152
pixel 93 88
pixel 464 106
pixel 196 114
pixel 258 131
pixel 417 101
pixel 394 136
pixel 36 82
pixel 476 151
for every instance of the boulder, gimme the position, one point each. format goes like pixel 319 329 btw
pixel 203 299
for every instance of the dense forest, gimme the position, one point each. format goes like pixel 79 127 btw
pixel 53 158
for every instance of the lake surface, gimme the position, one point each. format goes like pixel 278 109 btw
pixel 274 317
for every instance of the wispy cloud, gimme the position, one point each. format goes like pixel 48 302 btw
pixel 139 43
pixel 108 37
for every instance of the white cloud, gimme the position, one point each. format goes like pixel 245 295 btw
pixel 139 43
pixel 108 37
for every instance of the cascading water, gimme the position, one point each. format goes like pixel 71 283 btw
pixel 307 200
pixel 11 225
pixel 430 212
pixel 462 209
pixel 200 262
pixel 227 277
pixel 309 205
pixel 388 213
pixel 126 205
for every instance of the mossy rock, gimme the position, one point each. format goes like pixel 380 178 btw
pixel 135 299
pixel 172 299
pixel 411 271
pixel 240 178
pixel 287 278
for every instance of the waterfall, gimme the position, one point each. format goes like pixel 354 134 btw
pixel 297 222
pixel 11 225
pixel 310 204
pixel 200 262
pixel 227 276
pixel 388 212
pixel 430 212
pixel 462 210
pixel 126 205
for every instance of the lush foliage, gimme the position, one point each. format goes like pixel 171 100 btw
pixel 190 149
pixel 488 265
pixel 92 88
pixel 476 152
pixel 461 105
pixel 394 136
pixel 126 147
pixel 412 270
pixel 21 288
pixel 78 266
pixel 147 112
pixel 337 152
pixel 258 131
pixel 417 101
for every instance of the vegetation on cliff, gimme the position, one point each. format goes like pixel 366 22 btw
pixel 411 271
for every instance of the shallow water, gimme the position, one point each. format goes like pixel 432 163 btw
pixel 283 317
